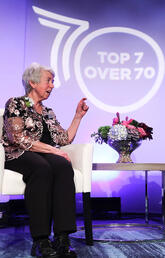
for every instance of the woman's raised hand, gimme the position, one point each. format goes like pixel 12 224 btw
pixel 82 108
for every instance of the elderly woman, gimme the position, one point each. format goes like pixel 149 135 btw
pixel 32 137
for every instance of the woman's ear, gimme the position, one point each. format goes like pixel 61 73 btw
pixel 32 84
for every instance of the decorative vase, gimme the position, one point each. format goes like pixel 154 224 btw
pixel 124 149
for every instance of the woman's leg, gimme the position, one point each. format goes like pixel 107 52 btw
pixel 63 205
pixel 37 174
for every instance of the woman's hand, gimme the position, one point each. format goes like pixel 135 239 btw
pixel 82 108
pixel 38 146
pixel 61 153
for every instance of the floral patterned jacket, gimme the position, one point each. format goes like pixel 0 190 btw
pixel 23 125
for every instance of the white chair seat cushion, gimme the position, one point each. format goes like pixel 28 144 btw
pixel 13 183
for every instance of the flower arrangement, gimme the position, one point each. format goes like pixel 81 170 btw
pixel 124 136
pixel 123 130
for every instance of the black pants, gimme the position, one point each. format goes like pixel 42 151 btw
pixel 49 192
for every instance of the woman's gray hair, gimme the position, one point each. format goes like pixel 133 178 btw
pixel 33 73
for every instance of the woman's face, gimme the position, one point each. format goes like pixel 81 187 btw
pixel 43 89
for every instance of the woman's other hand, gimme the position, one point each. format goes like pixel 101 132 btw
pixel 59 152
pixel 82 108
pixel 38 146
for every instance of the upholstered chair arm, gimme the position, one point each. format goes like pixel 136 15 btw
pixel 81 157
pixel 2 160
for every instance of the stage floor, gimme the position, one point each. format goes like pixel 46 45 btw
pixel 127 237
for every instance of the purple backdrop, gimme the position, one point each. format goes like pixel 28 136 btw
pixel 111 52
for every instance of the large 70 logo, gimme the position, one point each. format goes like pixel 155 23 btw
pixel 96 64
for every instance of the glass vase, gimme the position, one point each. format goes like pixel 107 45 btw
pixel 124 149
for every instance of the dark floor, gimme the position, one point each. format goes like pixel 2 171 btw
pixel 125 237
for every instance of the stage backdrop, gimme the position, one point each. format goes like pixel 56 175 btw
pixel 112 53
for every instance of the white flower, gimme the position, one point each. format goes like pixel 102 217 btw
pixel 118 132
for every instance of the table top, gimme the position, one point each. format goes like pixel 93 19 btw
pixel 129 166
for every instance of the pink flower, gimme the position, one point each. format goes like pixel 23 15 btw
pixel 127 124
pixel 115 121
pixel 131 127
pixel 129 121
pixel 124 123
pixel 142 132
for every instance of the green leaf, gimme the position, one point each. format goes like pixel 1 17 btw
pixel 103 131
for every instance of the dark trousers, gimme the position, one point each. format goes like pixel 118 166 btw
pixel 49 192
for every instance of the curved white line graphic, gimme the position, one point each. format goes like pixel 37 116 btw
pixel 82 26
pixel 56 45
pixel 67 48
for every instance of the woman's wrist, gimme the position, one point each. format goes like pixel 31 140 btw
pixel 78 116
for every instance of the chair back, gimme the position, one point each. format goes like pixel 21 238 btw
pixel 1 120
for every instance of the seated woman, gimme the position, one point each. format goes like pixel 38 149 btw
pixel 32 137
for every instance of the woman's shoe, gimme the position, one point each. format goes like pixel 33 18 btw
pixel 61 245
pixel 43 249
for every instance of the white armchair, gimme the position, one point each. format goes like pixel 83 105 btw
pixel 11 182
